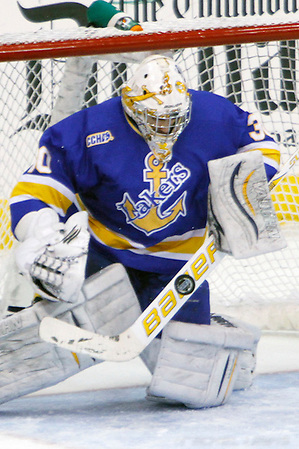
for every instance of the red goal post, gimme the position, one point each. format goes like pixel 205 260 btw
pixel 254 65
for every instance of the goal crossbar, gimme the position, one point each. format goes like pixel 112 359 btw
pixel 98 42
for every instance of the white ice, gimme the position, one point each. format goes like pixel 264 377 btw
pixel 114 414
pixel 264 417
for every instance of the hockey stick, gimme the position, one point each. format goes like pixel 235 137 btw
pixel 130 343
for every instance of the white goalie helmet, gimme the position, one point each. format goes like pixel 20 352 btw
pixel 157 100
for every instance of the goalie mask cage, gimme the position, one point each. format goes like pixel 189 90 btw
pixel 255 67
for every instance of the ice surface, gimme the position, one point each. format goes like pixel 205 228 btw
pixel 266 416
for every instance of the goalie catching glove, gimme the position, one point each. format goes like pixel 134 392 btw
pixel 241 215
pixel 53 255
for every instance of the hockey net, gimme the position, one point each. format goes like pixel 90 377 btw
pixel 255 66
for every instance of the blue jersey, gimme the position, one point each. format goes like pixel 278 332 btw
pixel 142 213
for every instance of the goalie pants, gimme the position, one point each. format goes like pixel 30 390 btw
pixel 148 285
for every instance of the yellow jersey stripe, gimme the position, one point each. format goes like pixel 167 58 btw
pixel 45 193
pixel 268 149
pixel 271 156
pixel 167 247
pixel 48 181
pixel 108 237
pixel 184 246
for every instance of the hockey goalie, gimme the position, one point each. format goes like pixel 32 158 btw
pixel 120 197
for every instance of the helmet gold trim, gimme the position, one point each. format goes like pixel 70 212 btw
pixel 157 100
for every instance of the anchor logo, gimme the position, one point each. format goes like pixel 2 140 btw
pixel 150 214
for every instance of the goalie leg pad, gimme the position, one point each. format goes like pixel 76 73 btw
pixel 247 357
pixel 198 364
pixel 27 364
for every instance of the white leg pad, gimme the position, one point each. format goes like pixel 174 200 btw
pixel 198 364
pixel 27 364
pixel 247 357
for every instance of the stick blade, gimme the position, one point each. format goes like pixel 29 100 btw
pixel 116 348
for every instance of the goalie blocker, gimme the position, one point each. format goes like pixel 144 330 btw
pixel 241 215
